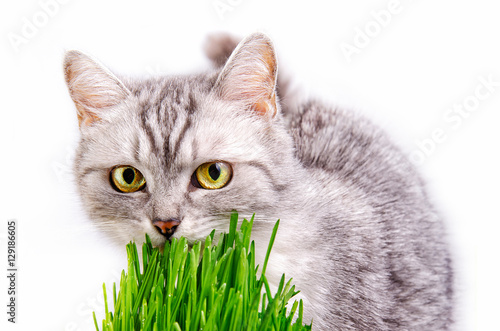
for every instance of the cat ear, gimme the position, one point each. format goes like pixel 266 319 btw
pixel 92 87
pixel 250 75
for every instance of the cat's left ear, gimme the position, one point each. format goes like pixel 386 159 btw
pixel 93 88
pixel 250 75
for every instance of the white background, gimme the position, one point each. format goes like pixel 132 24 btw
pixel 425 60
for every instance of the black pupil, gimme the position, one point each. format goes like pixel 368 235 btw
pixel 214 171
pixel 128 175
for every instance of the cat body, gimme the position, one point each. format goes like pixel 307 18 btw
pixel 358 234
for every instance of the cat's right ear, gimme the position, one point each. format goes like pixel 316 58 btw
pixel 93 88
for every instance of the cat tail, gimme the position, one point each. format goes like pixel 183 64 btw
pixel 219 47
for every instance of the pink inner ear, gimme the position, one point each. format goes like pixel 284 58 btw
pixel 265 107
pixel 87 119
pixel 92 100
pixel 261 107
pixel 86 104
pixel 89 103
pixel 92 87
pixel 250 75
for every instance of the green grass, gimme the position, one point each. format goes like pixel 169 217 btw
pixel 211 288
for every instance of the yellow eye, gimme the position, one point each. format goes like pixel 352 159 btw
pixel 213 175
pixel 127 179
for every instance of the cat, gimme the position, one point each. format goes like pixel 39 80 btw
pixel 174 156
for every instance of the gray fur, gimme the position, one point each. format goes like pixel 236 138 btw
pixel 358 234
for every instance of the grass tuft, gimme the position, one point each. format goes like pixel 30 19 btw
pixel 208 287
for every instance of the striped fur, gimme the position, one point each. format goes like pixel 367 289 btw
pixel 358 234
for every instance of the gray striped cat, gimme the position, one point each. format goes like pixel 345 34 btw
pixel 174 156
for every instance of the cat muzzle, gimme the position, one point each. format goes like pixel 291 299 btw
pixel 166 227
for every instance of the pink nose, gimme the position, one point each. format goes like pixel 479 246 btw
pixel 166 227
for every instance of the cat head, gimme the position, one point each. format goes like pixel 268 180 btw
pixel 174 156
